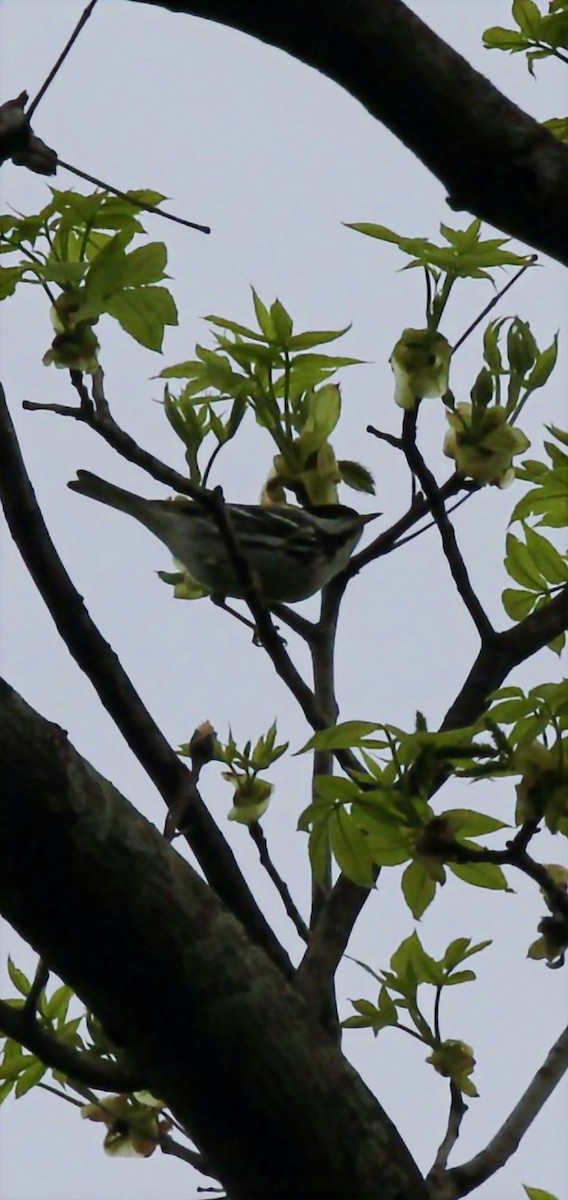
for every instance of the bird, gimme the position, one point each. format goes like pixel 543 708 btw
pixel 291 552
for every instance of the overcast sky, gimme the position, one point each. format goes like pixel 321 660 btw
pixel 274 157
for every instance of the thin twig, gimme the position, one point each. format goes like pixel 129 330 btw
pixel 430 524
pixel 108 187
pixel 533 258
pixel 396 442
pixel 386 541
pixel 449 543
pixel 80 23
pixel 259 839
pixel 458 1109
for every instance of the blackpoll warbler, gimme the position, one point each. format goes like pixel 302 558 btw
pixel 291 552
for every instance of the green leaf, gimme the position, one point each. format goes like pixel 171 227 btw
pixel 528 17
pixel 15 1064
pixel 332 788
pixel 356 476
pixel 473 824
pixel 538 1193
pixel 543 367
pixel 379 231
pixel 29 1079
pixel 511 709
pixel 517 604
pixel 418 889
pixel 143 313
pixel 321 412
pixel 412 965
pixel 342 736
pixel 458 951
pixel 545 556
pixel 266 325
pixel 350 848
pixel 460 977
pixel 145 264
pixel 234 327
pixel 5 1089
pixel 558 126
pixel 485 875
pixel 282 323
pixel 318 337
pixel 20 981
pixel 106 273
pixel 521 567
pixel 497 38
pixel 9 280
pixel 57 1005
pixel 319 850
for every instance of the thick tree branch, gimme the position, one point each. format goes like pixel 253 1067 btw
pixel 102 667
pixel 492 158
pixel 196 1008
pixel 496 661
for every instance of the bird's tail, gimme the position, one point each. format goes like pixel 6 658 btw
pixel 108 493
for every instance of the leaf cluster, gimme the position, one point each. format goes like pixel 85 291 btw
pixel 538 35
pixel 277 375
pixel 411 967
pixel 71 245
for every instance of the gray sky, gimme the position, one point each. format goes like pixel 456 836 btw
pixel 274 157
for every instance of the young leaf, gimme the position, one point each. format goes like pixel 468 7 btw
pixel 483 874
pixel 341 737
pixel 20 981
pixel 418 889
pixel 29 1078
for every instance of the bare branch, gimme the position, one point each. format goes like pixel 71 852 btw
pixel 108 187
pixel 457 1113
pixel 80 23
pixel 450 546
pixel 259 839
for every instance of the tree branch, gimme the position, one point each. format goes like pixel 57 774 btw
pixel 493 159
pixel 200 1012
pixel 100 664
pixel 495 662
pixel 257 834
pixel 457 1113
pixel 78 1065
pixel 449 543
pixel 470 1175
pixel 492 666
